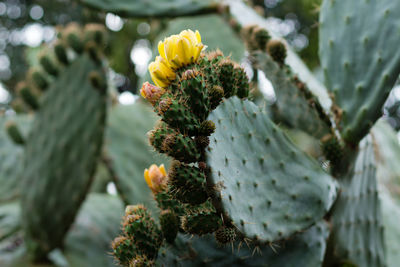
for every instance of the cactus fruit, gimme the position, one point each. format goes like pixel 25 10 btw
pixel 14 133
pixel 225 235
pixel 142 237
pixel 169 225
pixel 187 183
pixel 123 249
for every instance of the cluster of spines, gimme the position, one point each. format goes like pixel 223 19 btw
pixel 187 183
pixel 183 133
pixel 141 240
pixel 90 39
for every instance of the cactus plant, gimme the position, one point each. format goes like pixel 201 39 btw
pixel 159 8
pixel 224 185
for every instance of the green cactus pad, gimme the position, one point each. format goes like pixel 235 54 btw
pixel 295 105
pixel 391 219
pixel 360 57
pixel 250 156
pixel 245 15
pixel 387 154
pixel 305 249
pixel 128 149
pixel 61 154
pixel 11 157
pixel 357 233
pixel 157 8
pixel 9 220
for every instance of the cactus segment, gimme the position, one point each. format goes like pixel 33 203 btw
pixel 391 219
pixel 357 233
pixel 295 106
pixel 387 154
pixel 69 149
pixel 169 222
pixel 158 8
pixel 39 80
pixel 48 65
pixel 144 233
pixel 361 75
pixel 27 95
pixel 187 183
pixel 201 220
pixel 250 156
pixel 14 133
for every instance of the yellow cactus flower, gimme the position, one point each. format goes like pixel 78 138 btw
pixel 182 49
pixel 160 72
pixel 151 92
pixel 156 177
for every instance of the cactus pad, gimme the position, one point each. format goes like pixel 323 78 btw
pixel 158 8
pixel 357 232
pixel 61 154
pixel 249 156
pixel 360 58
pixel 295 106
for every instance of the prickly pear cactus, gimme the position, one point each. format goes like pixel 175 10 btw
pixel 357 234
pixel 361 75
pixel 158 8
pixel 63 145
pixel 249 156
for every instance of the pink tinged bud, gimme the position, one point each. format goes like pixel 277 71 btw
pixel 151 92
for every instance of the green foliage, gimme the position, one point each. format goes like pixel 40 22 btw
pixel 250 156
pixel 360 58
pixel 158 8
